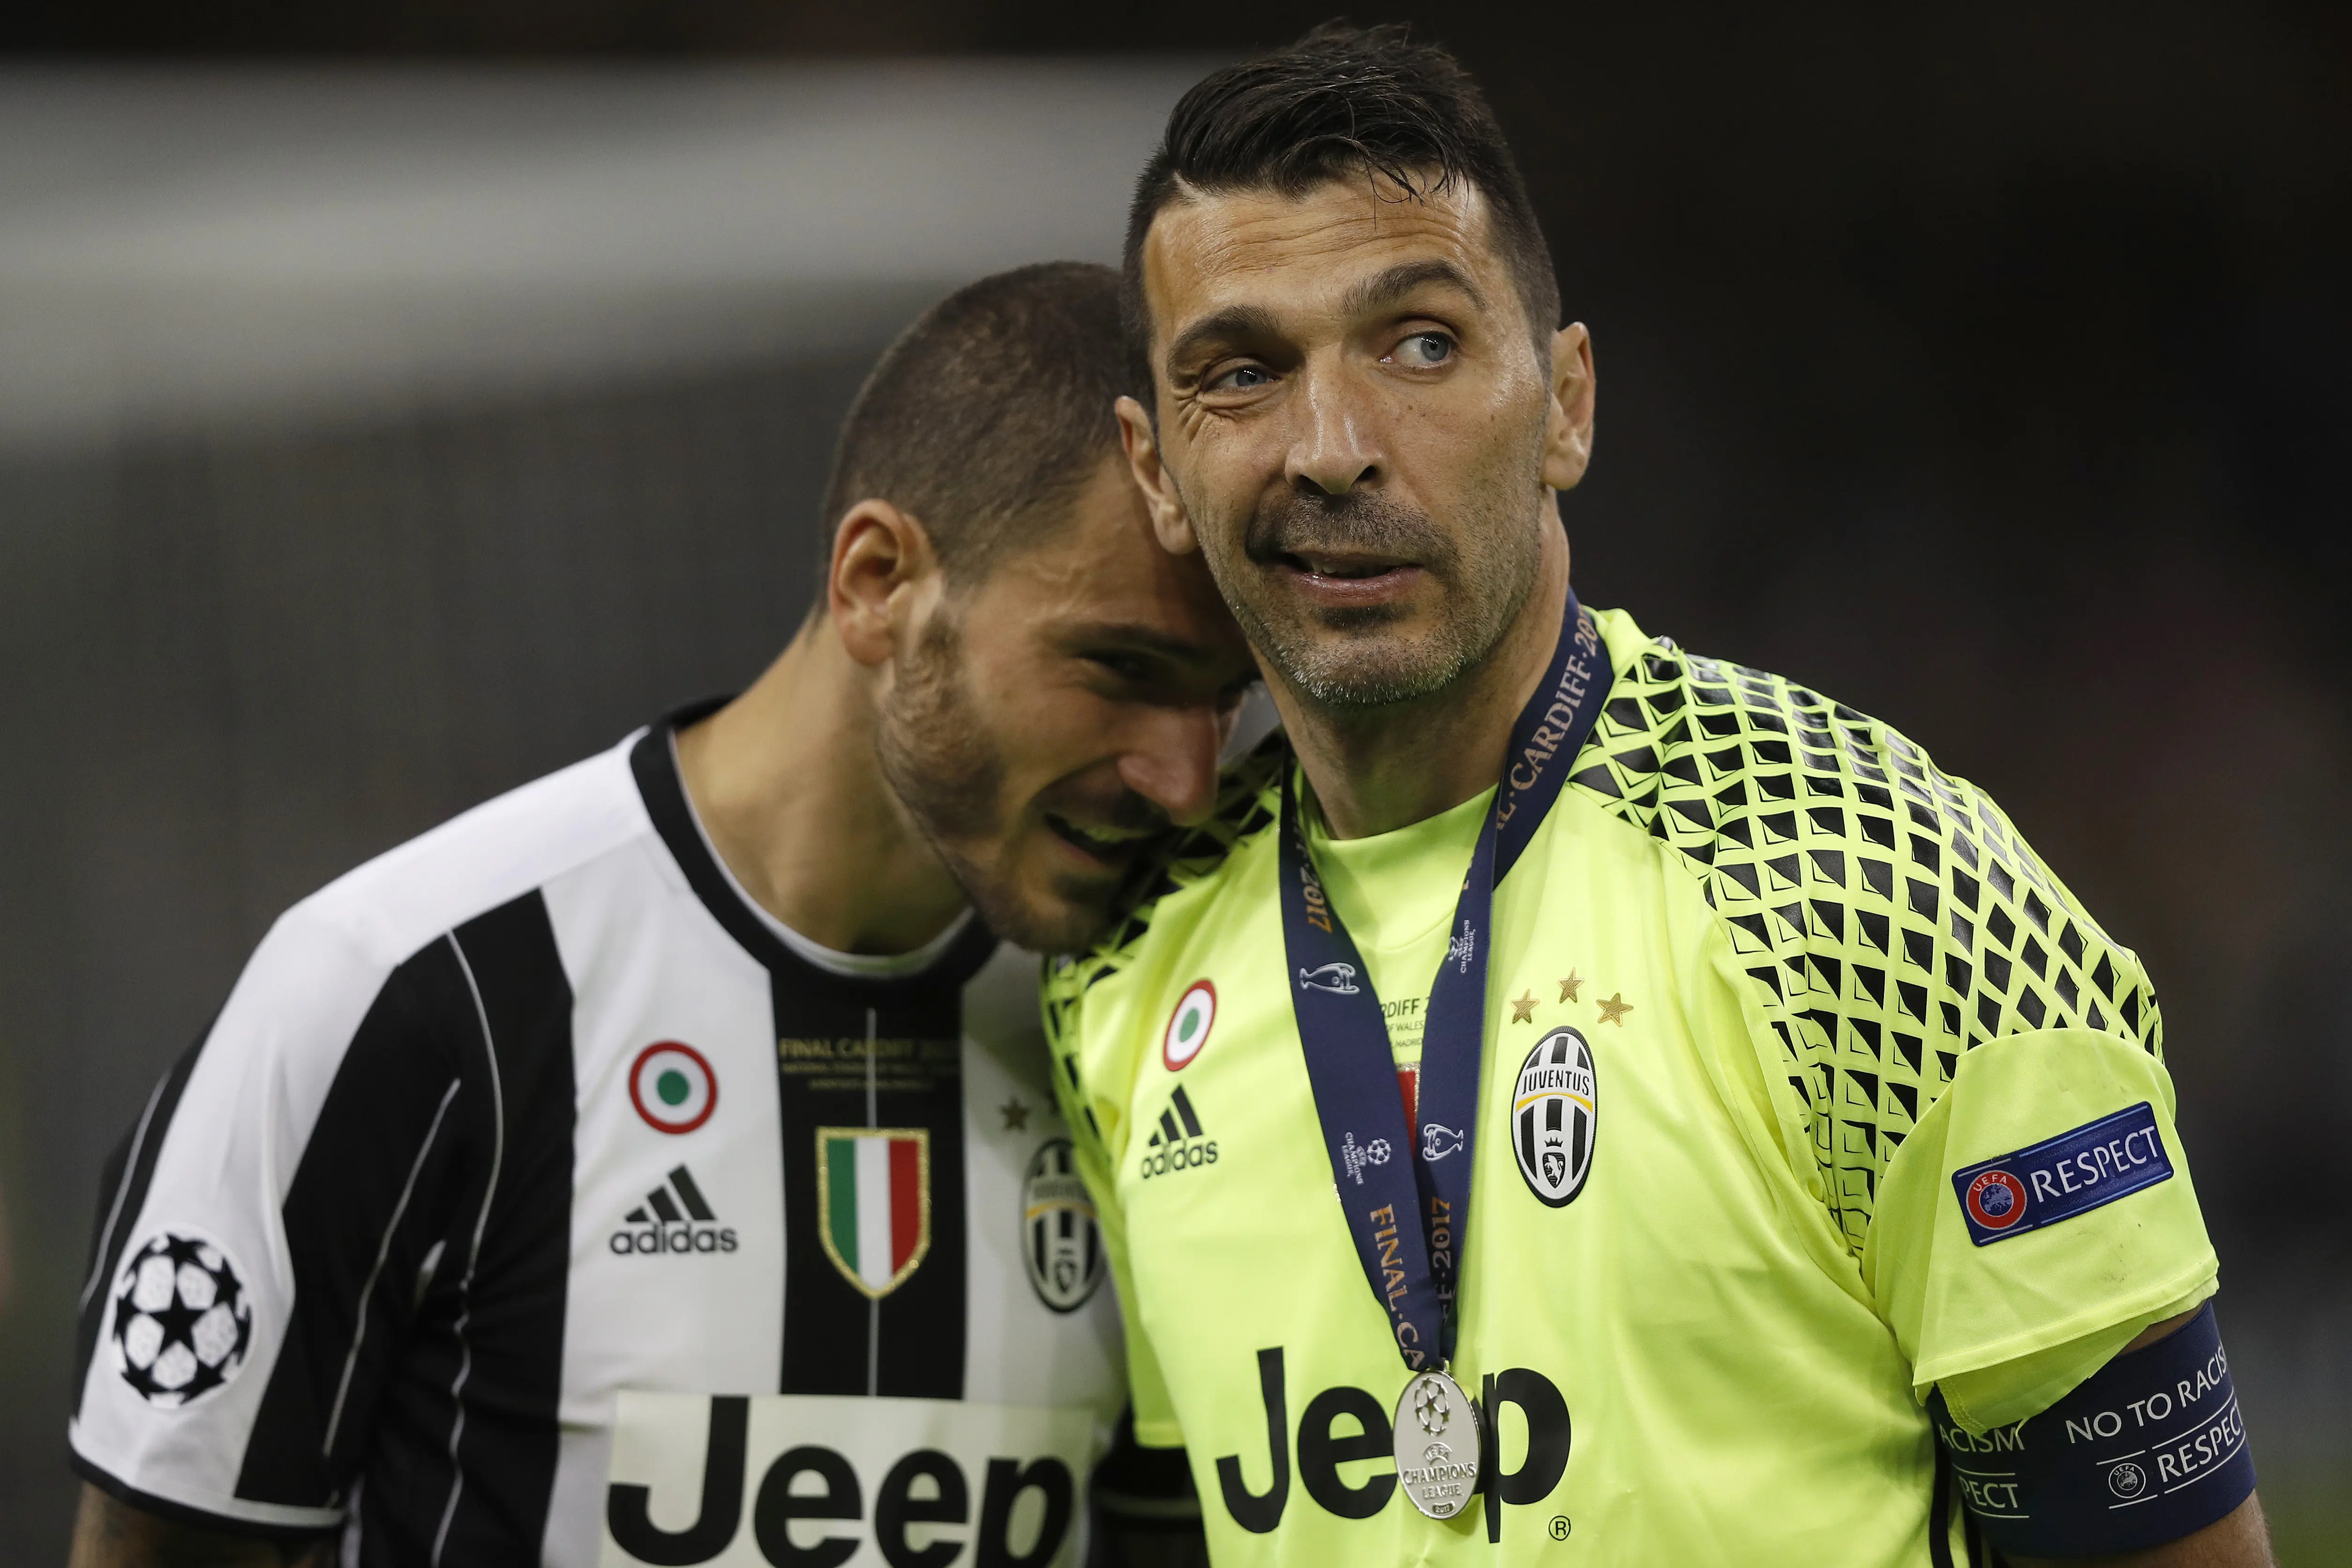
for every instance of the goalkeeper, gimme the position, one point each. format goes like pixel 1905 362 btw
pixel 1580 1100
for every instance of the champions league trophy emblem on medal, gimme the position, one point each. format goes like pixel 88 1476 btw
pixel 1436 1445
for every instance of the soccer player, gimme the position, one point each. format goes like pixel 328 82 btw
pixel 1581 1101
pixel 657 1164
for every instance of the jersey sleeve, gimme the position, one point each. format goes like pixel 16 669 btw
pixel 263 1235
pixel 1933 998
pixel 2039 1216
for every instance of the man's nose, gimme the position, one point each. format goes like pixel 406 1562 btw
pixel 1171 761
pixel 1334 452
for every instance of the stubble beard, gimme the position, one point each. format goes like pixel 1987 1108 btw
pixel 937 760
pixel 1487 570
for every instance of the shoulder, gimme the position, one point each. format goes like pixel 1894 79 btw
pixel 486 857
pixel 1888 915
pixel 330 958
pixel 1794 811
pixel 1187 869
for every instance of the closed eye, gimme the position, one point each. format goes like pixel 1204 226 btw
pixel 1129 667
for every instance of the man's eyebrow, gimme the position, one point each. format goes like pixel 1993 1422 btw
pixel 1383 289
pixel 1223 325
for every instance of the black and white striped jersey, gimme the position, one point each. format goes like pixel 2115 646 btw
pixel 537 1198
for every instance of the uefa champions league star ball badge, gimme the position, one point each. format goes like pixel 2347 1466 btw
pixel 1436 1445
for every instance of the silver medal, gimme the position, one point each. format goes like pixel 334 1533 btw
pixel 1436 1445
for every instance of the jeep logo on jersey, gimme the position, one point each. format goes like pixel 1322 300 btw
pixel 821 1480
pixel 1555 1117
pixel 1177 1143
pixel 873 1203
pixel 1344 1423
pixel 182 1323
pixel 1188 1026
pixel 1061 1244
pixel 675 1219
pixel 673 1087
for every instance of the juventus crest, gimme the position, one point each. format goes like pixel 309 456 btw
pixel 1555 1117
pixel 1060 1242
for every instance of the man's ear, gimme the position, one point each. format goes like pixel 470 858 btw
pixel 1567 433
pixel 882 560
pixel 1169 522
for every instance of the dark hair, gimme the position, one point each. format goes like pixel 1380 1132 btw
pixel 1341 101
pixel 987 415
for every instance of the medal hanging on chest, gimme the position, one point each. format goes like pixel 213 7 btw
pixel 1405 1190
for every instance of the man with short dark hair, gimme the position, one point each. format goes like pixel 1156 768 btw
pixel 657 1164
pixel 1744 1149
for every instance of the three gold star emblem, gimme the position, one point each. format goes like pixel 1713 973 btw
pixel 1568 988
pixel 1523 1009
pixel 1614 1009
pixel 1017 1116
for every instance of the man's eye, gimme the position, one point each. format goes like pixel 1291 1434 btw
pixel 1241 378
pixel 1423 350
pixel 1124 666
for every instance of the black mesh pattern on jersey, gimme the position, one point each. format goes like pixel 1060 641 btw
pixel 1889 915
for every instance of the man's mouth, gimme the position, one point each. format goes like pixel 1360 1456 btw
pixel 1107 846
pixel 1349 577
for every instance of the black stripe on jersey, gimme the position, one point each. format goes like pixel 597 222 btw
pixel 382 1150
pixel 837 1340
pixel 511 1297
pixel 428 1229
pixel 121 1193
pixel 910 1344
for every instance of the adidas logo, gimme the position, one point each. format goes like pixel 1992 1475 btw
pixel 1178 1145
pixel 675 1218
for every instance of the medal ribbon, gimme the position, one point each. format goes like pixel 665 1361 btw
pixel 1406 1190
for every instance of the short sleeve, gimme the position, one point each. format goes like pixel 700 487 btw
pixel 263 1238
pixel 2040 1215
pixel 1897 938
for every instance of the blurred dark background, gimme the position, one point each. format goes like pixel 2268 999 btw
pixel 399 401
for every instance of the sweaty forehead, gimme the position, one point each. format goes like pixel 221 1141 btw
pixel 1297 255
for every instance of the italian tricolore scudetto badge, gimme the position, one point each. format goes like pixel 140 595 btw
pixel 873 1203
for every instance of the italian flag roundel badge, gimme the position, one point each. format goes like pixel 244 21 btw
pixel 673 1087
pixel 1188 1028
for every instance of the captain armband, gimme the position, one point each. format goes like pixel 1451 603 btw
pixel 2150 1449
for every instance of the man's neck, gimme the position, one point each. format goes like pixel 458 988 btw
pixel 785 782
pixel 1374 770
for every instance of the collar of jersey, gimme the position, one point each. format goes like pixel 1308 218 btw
pixel 870 965
pixel 954 959
pixel 1397 888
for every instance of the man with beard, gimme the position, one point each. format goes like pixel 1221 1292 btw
pixel 657 1164
pixel 1778 1158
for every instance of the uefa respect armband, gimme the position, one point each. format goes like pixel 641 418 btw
pixel 2150 1448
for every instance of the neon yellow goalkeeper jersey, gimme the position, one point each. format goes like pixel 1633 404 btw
pixel 1808 979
